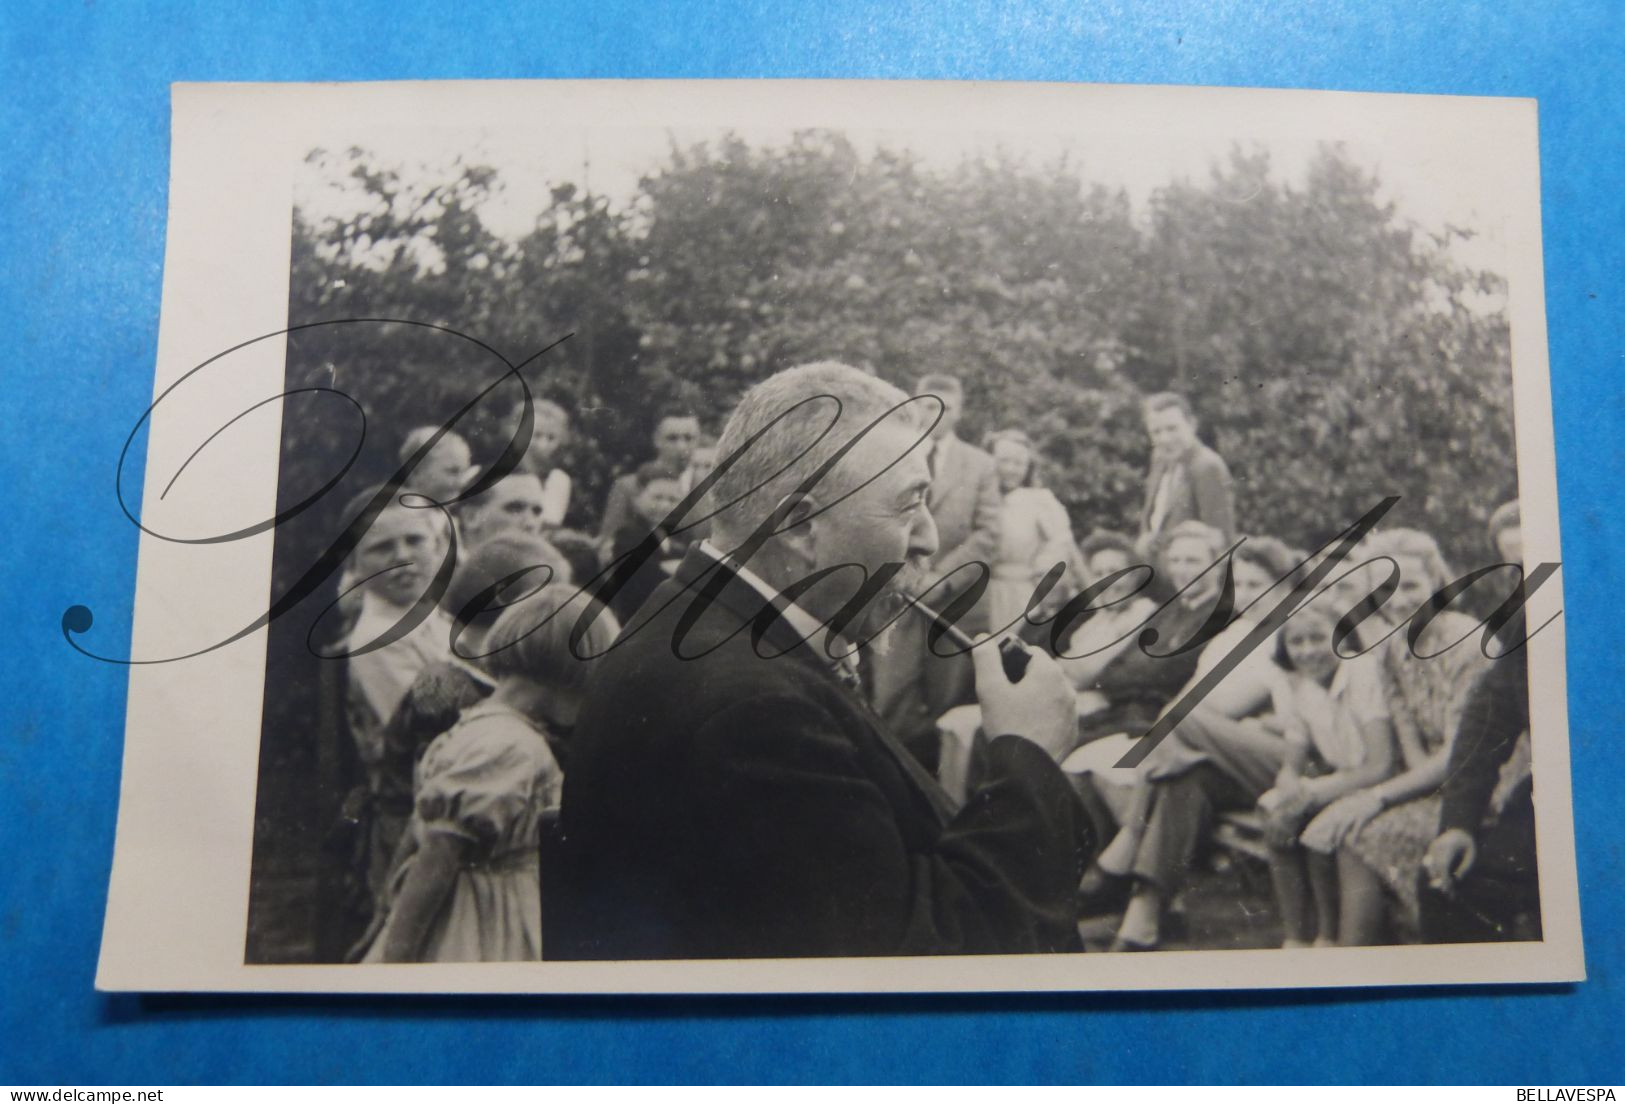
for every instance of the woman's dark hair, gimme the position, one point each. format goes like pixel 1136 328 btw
pixel 651 472
pixel 1277 560
pixel 1029 478
pixel 1316 609
pixel 1100 540
pixel 580 551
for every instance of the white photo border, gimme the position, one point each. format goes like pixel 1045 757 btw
pixel 177 905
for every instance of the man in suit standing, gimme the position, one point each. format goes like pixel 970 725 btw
pixel 731 792
pixel 913 686
pixel 1187 481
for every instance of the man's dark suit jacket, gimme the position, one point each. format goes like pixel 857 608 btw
pixel 620 508
pixel 737 806
pixel 965 502
pixel 1201 490
pixel 1500 896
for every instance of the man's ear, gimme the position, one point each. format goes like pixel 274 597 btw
pixel 797 533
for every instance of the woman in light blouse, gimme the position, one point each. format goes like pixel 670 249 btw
pixel 1380 833
pixel 1035 533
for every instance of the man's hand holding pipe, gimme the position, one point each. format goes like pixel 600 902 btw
pixel 1039 707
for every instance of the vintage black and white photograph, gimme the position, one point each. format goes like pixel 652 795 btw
pixel 886 535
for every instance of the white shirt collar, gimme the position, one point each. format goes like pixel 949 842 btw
pixel 378 613
pixel 816 633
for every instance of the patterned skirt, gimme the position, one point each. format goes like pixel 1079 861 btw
pixel 1392 844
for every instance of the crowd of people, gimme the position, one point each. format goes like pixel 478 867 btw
pixel 1387 778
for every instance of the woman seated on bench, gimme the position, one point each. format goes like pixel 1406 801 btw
pixel 1120 688
pixel 1214 764
pixel 1117 795
pixel 1338 739
pixel 1380 833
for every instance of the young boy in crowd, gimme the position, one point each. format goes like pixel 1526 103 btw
pixel 657 496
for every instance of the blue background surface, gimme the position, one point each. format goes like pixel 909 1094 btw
pixel 83 183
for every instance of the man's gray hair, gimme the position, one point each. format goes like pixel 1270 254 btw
pixel 799 404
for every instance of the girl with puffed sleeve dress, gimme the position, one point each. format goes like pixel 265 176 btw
pixel 467 883
pixel 483 789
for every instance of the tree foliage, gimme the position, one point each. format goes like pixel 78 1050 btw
pixel 1333 352
pixel 1334 355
